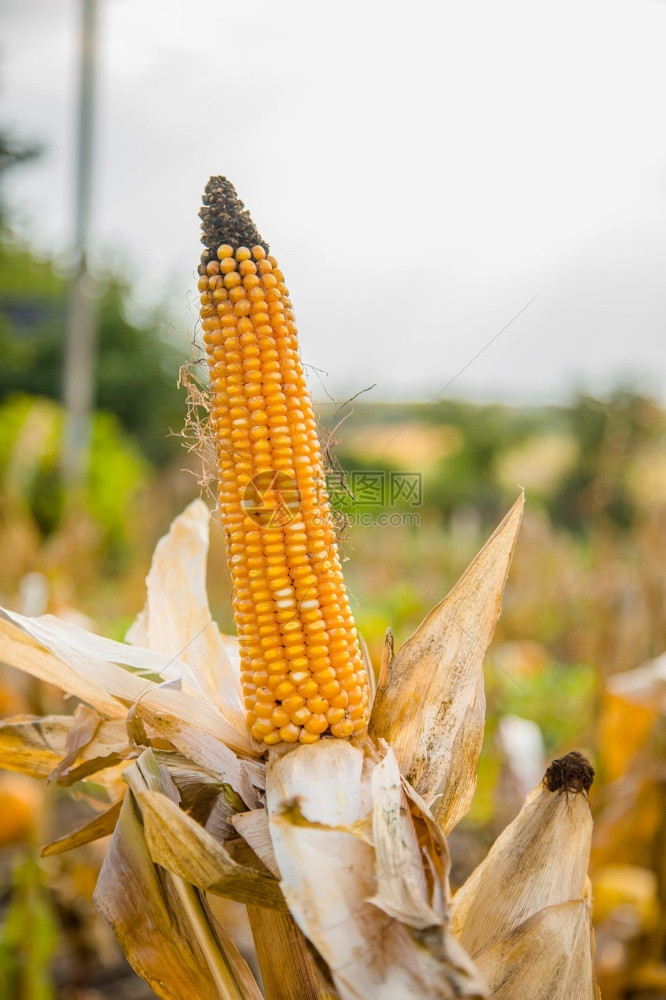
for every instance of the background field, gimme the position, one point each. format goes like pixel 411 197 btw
pixel 485 224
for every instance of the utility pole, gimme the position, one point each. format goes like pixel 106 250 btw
pixel 79 374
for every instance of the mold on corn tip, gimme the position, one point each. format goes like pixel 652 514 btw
pixel 571 773
pixel 225 221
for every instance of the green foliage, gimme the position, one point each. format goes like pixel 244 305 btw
pixel 136 366
pixel 31 433
pixel 609 432
pixel 559 697
pixel 468 477
pixel 12 153
pixel 605 438
pixel 28 937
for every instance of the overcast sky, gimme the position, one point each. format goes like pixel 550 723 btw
pixel 422 170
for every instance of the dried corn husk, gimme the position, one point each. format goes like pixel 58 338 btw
pixel 532 888
pixel 98 827
pixel 162 922
pixel 183 847
pixel 34 745
pixel 54 747
pixel 547 957
pixel 332 831
pixel 343 866
pixel 290 968
pixel 177 620
pixel 437 736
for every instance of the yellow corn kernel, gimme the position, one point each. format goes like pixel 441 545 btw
pixel 302 671
pixel 290 732
pixel 307 737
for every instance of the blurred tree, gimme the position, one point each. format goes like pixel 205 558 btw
pixel 611 442
pixel 12 152
pixel 467 478
pixel 610 433
pixel 30 461
pixel 137 364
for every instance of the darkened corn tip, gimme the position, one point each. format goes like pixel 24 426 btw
pixel 225 220
pixel 571 773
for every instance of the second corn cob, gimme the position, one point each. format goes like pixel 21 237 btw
pixel 302 671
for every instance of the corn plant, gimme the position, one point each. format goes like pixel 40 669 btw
pixel 275 769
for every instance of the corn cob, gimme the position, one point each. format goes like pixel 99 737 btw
pixel 302 670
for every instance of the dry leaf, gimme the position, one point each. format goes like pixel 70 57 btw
pixel 177 620
pixel 162 926
pixel 72 658
pixel 85 723
pixel 388 653
pixel 100 826
pixel 161 922
pixel 38 746
pixel 166 709
pixel 198 790
pixel 19 649
pixel 99 671
pixel 437 734
pixel 184 848
pixel 200 733
pixel 104 754
pixel 122 670
pixel 32 745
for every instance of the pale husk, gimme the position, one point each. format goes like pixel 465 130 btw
pixel 548 957
pixel 539 860
pixel 254 829
pixel 328 876
pixel 437 736
pixel 403 889
pixel 20 649
pixel 176 618
pixel 524 914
